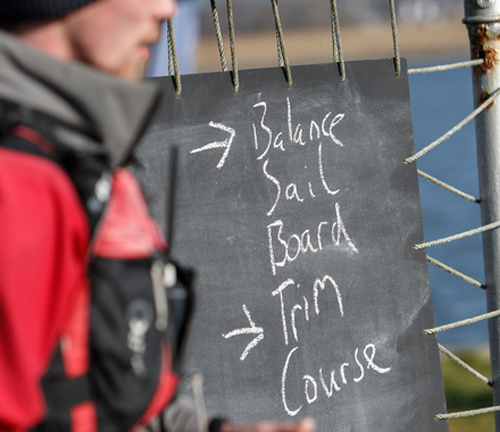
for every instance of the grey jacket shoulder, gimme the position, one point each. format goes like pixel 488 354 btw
pixel 78 95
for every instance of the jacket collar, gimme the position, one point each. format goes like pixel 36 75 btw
pixel 116 111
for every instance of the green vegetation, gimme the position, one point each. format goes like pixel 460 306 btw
pixel 465 392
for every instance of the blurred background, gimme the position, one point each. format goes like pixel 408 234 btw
pixel 427 27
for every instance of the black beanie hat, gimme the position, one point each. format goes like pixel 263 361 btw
pixel 16 10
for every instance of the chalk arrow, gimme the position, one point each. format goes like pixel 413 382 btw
pixel 219 144
pixel 253 329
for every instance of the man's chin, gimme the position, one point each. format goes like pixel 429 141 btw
pixel 134 72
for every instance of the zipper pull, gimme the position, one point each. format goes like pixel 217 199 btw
pixel 160 296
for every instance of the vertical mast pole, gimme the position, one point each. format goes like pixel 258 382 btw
pixel 482 18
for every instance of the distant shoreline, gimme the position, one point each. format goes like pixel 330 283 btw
pixel 314 45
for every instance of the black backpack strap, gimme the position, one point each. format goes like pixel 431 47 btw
pixel 12 113
pixel 68 393
pixel 30 131
pixel 61 394
pixel 15 141
pixel 64 395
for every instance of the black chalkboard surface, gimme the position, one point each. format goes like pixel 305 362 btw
pixel 297 212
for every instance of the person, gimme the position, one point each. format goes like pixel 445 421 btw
pixel 85 340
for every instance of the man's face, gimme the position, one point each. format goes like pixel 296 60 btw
pixel 115 35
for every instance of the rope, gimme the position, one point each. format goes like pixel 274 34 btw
pixel 467 413
pixel 199 402
pixel 395 40
pixel 280 42
pixel 338 54
pixel 447 186
pixel 218 33
pixel 469 233
pixel 281 61
pixel 235 73
pixel 467 367
pixel 459 126
pixel 455 272
pixel 170 50
pixel 441 68
pixel 173 62
pixel 462 323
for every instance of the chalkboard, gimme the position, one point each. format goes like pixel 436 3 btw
pixel 299 215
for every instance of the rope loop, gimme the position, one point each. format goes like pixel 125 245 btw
pixel 234 73
pixel 487 227
pixel 471 116
pixel 395 39
pixel 218 34
pixel 464 322
pixel 448 187
pixel 469 413
pixel 455 272
pixel 446 67
pixel 338 55
pixel 465 366
pixel 173 62
pixel 280 43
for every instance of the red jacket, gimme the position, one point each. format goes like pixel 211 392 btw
pixel 44 292
pixel 45 239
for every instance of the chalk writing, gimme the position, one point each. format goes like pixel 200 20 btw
pixel 226 144
pixel 285 249
pixel 296 135
pixel 301 304
pixel 319 284
pixel 292 189
pixel 322 172
pixel 253 329
pixel 350 372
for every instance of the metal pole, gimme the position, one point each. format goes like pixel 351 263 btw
pixel 482 18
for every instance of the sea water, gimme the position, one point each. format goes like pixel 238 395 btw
pixel 439 101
